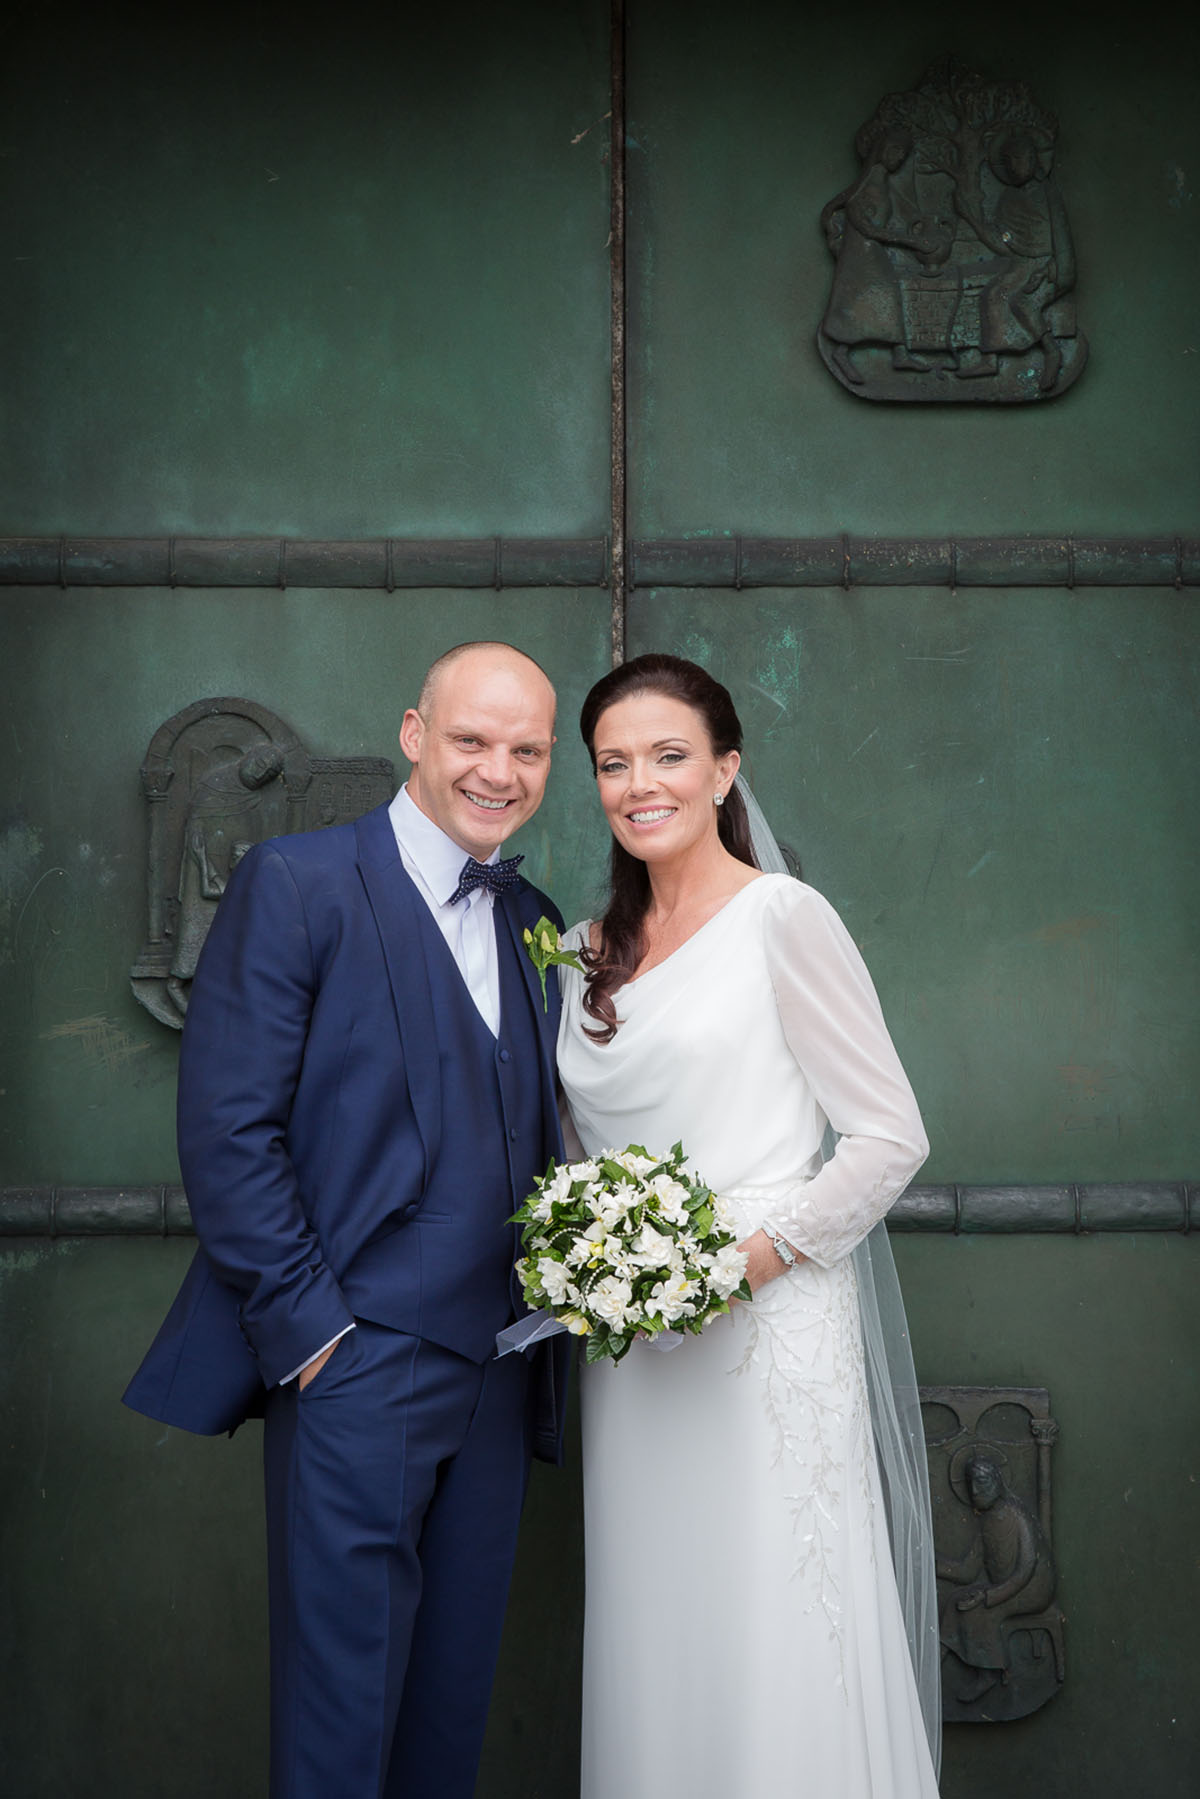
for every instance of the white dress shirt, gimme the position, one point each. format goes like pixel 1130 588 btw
pixel 434 862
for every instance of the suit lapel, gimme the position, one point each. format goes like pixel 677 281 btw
pixel 518 911
pixel 394 901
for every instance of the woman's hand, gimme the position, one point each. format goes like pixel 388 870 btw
pixel 763 1264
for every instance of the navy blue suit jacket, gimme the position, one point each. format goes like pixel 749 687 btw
pixel 311 1129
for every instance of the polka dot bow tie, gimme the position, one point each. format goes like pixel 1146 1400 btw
pixel 498 877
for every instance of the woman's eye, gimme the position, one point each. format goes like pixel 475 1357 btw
pixel 671 756
pixel 610 768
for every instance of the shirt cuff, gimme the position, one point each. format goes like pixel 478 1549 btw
pixel 315 1358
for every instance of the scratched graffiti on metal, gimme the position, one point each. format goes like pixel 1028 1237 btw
pixel 219 777
pixel 954 274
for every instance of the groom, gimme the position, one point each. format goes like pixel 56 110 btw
pixel 366 1092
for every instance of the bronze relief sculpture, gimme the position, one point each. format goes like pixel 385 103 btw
pixel 954 268
pixel 219 776
pixel 1001 1629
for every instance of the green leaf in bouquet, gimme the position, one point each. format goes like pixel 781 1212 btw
pixel 702 1218
pixel 597 1346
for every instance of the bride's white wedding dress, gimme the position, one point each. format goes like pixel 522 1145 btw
pixel 743 1635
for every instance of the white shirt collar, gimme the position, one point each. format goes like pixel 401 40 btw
pixel 438 858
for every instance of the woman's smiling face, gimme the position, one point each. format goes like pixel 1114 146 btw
pixel 657 775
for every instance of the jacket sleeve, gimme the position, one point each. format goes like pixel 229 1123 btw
pixel 244 1041
pixel 834 1027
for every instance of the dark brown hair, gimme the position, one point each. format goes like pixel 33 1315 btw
pixel 623 926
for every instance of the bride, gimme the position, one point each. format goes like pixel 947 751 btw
pixel 745 1634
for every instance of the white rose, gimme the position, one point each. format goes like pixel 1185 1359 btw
pixel 670 1195
pixel 723 1214
pixel 650 1249
pixel 672 1299
pixel 559 1188
pixel 632 1163
pixel 726 1269
pixel 556 1282
pixel 608 1206
pixel 609 1300
pixel 588 1244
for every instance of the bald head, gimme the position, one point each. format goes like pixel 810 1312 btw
pixel 479 741
pixel 480 654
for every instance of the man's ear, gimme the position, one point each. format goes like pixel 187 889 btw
pixel 412 730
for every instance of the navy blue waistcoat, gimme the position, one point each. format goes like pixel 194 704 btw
pixel 446 1272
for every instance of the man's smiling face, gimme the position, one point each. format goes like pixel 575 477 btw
pixel 481 753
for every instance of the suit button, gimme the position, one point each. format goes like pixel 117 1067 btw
pixel 504 1056
pixel 513 1133
pixel 410 1210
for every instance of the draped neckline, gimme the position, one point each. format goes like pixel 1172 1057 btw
pixel 698 932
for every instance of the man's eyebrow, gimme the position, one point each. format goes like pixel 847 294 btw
pixel 478 731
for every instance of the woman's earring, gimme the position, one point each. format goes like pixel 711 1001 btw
pixel 718 799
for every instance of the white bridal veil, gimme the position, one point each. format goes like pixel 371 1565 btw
pixel 895 1407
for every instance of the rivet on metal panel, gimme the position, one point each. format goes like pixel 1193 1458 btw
pixel 845 561
pixel 283 564
pixel 497 574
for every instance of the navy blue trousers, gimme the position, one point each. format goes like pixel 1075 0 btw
pixel 394 1486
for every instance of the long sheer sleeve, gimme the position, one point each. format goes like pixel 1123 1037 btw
pixel 834 1027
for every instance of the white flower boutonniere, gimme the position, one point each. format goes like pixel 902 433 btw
pixel 543 946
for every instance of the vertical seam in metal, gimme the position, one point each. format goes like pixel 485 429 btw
pixel 619 588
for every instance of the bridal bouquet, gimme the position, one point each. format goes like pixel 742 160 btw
pixel 626 1243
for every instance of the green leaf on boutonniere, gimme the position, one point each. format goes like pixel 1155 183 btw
pixel 543 946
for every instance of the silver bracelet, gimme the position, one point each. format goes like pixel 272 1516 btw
pixel 781 1246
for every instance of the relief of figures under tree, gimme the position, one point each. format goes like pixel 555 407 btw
pixel 955 270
